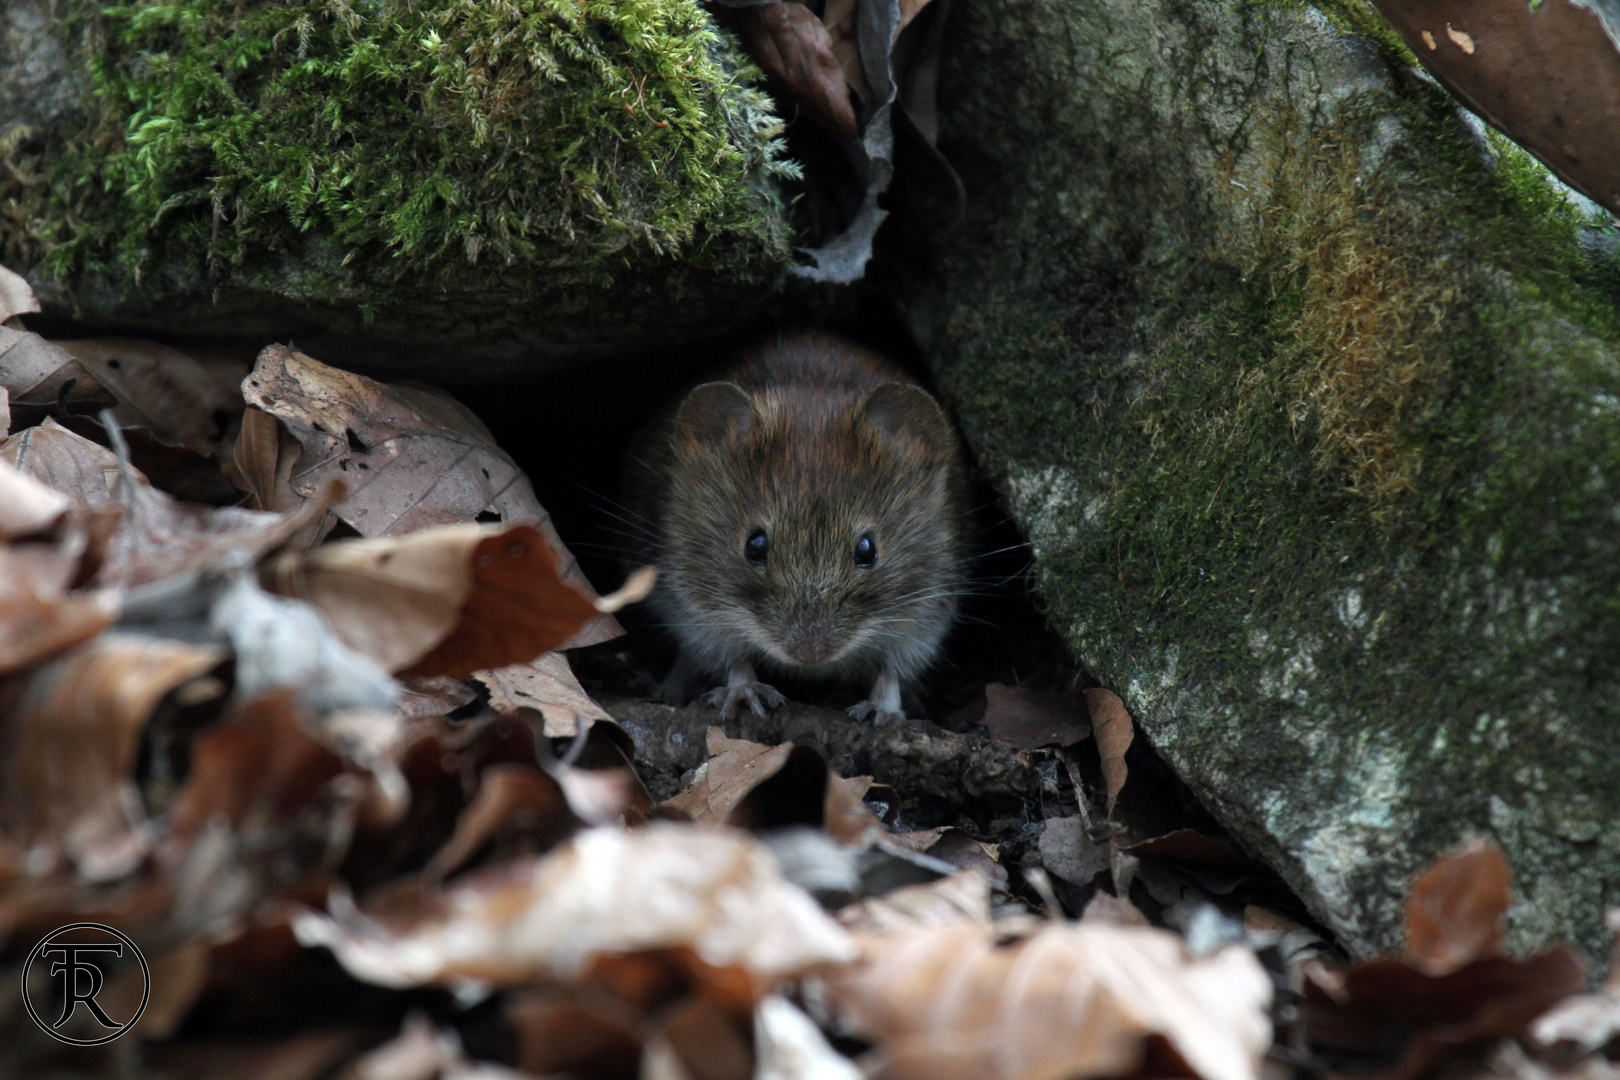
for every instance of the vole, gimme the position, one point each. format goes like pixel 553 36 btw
pixel 806 514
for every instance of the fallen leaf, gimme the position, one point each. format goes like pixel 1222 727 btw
pixel 1069 852
pixel 1457 909
pixel 27 507
pixel 789 1046
pixel 263 460
pixel 788 41
pixel 1112 727
pixel 39 616
pixel 16 296
pixel 607 890
pixel 1547 75
pixel 69 733
pixel 963 897
pixel 507 793
pixel 547 686
pixel 410 458
pixel 1405 1015
pixel 1070 1000
pixel 163 391
pixel 749 785
pixel 437 695
pixel 449 600
pixel 40 375
pixel 67 462
pixel 1031 718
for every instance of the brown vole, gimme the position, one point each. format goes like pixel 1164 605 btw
pixel 806 515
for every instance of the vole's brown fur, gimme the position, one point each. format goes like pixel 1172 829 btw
pixel 817 442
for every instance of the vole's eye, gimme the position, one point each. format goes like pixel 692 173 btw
pixel 865 552
pixel 756 546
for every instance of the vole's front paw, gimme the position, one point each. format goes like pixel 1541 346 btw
pixel 877 713
pixel 757 696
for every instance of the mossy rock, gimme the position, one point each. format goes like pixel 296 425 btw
pixel 1306 392
pixel 439 186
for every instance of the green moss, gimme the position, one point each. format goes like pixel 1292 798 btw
pixel 371 144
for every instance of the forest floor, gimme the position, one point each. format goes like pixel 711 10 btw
pixel 303 695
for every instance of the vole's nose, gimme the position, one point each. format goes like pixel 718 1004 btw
pixel 809 642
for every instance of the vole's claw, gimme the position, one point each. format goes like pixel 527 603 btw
pixel 877 713
pixel 757 696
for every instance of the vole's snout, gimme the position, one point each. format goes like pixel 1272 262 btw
pixel 809 639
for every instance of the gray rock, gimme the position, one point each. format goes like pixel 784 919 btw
pixel 1312 418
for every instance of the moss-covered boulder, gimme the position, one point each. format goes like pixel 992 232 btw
pixel 1306 391
pixel 436 185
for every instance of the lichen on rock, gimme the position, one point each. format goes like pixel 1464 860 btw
pixel 1305 394
pixel 367 154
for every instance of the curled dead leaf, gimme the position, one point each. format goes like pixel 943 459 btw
pixel 1457 910
pixel 958 1002
pixel 547 686
pixel 69 734
pixel 27 507
pixel 718 894
pixel 790 42
pixel 43 376
pixel 450 600
pixel 411 457
pixel 750 785
pixel 1112 727
pixel 163 391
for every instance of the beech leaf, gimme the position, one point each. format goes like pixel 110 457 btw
pixel 607 890
pixel 956 1002
pixel 788 41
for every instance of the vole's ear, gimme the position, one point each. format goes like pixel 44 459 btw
pixel 903 411
pixel 714 412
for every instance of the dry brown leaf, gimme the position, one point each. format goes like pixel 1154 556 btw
pixel 664 886
pixel 449 600
pixel 840 16
pixel 1069 852
pixel 1111 726
pixel 164 391
pixel 547 686
pixel 66 461
pixel 1546 74
pixel 734 769
pixel 410 457
pixel 1030 718
pixel 16 295
pixel 1451 989
pixel 507 792
pixel 263 461
pixel 789 42
pixel 438 695
pixel 964 897
pixel 954 1002
pixel 27 507
pixel 40 375
pixel 69 733
pixel 1457 909
pixel 38 615
pixel 750 785
pixel 156 536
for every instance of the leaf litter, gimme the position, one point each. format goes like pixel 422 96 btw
pixel 301 770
